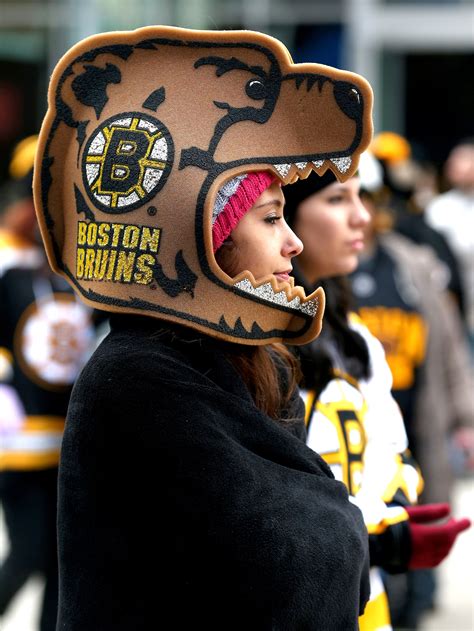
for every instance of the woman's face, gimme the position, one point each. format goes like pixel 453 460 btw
pixel 331 224
pixel 262 242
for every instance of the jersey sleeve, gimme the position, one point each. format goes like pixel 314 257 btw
pixel 391 478
pixel 389 469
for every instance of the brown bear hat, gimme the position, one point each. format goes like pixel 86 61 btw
pixel 143 130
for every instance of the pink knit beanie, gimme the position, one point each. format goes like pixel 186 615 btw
pixel 233 200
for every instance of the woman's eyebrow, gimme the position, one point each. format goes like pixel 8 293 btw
pixel 272 202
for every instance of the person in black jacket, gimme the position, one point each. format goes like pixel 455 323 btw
pixel 174 464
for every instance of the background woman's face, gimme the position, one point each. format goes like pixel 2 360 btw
pixel 262 242
pixel 331 225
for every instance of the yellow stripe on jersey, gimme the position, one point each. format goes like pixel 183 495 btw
pixel 407 479
pixel 346 377
pixel 394 515
pixel 376 616
pixel 6 354
pixel 6 364
pixel 309 401
pixel 26 461
pixel 355 318
pixel 43 424
pixel 36 445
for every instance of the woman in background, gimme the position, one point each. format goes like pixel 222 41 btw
pixel 352 419
pixel 401 292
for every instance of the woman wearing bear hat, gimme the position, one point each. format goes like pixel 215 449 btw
pixel 187 495
pixel 188 460
pixel 192 464
pixel 352 419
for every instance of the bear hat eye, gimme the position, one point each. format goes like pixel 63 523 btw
pixel 256 89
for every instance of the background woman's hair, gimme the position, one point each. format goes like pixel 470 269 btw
pixel 317 362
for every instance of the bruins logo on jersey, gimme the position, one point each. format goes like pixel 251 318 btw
pixel 53 340
pixel 335 425
pixel 126 162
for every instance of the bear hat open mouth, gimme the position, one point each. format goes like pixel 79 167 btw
pixel 289 173
pixel 279 293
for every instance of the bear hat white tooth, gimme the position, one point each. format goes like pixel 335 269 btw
pixel 266 291
pixel 283 169
pixel 342 164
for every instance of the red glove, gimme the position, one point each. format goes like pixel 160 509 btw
pixel 430 542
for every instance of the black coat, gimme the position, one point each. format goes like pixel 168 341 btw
pixel 182 506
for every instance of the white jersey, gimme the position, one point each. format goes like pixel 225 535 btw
pixel 357 427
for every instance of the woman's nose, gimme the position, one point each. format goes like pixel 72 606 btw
pixel 292 245
pixel 360 216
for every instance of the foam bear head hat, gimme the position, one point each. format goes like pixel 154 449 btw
pixel 144 128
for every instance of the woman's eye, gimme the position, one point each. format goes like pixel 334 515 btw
pixel 272 219
pixel 336 199
pixel 255 89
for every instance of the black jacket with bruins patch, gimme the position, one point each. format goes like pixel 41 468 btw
pixel 183 506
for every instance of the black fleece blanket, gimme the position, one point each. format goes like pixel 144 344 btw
pixel 182 506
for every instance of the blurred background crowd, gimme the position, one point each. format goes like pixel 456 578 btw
pixel 418 184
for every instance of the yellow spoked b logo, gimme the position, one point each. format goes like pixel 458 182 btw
pixel 126 162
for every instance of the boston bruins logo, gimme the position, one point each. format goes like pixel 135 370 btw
pixel 53 341
pixel 335 424
pixel 126 162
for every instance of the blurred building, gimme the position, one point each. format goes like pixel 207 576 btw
pixel 417 54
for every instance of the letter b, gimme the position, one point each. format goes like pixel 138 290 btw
pixel 121 170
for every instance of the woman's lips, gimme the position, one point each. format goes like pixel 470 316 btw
pixel 357 245
pixel 284 276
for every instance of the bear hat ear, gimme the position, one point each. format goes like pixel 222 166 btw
pixel 90 86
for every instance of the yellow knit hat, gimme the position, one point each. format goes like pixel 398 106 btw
pixel 390 147
pixel 23 157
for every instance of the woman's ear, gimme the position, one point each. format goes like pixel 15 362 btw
pixel 226 257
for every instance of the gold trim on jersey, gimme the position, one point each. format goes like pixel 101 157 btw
pixel 340 374
pixel 309 402
pixel 6 364
pixel 394 515
pixel 376 616
pixel 407 479
pixel 25 461
pixel 6 354
pixel 37 423
pixel 36 445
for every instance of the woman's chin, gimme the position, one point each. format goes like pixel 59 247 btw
pixel 340 268
pixel 352 265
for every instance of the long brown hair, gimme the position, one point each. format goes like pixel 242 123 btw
pixel 262 369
